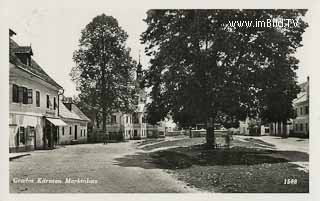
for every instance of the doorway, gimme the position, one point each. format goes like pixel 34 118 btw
pixel 75 132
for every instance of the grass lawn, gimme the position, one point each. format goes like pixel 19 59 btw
pixel 246 167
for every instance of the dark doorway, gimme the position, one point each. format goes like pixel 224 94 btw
pixel 135 133
pixel 48 136
pixel 75 132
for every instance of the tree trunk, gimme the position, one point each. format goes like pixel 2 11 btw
pixel 284 134
pixel 97 120
pixel 279 133
pixel 210 139
pixel 104 119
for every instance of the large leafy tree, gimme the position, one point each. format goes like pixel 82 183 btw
pixel 204 71
pixel 104 70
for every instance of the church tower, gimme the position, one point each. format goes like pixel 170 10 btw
pixel 139 83
pixel 139 78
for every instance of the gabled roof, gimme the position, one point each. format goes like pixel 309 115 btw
pixel 34 68
pixel 64 112
pixel 302 97
pixel 75 112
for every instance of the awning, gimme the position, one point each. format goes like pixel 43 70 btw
pixel 57 122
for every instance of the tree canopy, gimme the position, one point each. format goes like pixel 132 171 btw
pixel 203 70
pixel 104 70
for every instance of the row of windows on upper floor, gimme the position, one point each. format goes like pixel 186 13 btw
pixel 25 96
pixel 134 119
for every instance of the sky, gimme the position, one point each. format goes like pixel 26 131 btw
pixel 53 32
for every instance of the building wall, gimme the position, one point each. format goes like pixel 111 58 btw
pixel 33 132
pixel 28 116
pixel 21 78
pixel 244 127
pixel 125 126
pixel 265 130
pixel 65 137
pixel 301 122
pixel 140 128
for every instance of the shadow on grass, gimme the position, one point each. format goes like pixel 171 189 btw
pixel 258 141
pixel 185 157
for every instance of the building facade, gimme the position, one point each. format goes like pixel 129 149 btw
pixel 301 106
pixel 33 102
pixel 124 126
pixel 76 130
pixel 298 126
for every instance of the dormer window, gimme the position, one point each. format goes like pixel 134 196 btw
pixel 24 53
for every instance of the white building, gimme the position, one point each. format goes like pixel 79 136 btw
pixel 33 102
pixel 130 126
pixel 77 123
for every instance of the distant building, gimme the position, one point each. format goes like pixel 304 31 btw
pixel 130 126
pixel 76 130
pixel 301 106
pixel 250 126
pixel 33 102
pixel 299 126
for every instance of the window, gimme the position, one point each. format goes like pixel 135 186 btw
pixel 62 130
pixel 38 98
pixel 22 137
pixel 127 119
pixel 301 111
pixel 113 119
pixel 25 95
pixel 84 132
pixel 297 127
pixel 70 130
pixel 306 109
pixel 54 103
pixel 48 101
pixel 301 127
pixel 20 94
pixel 29 96
pixel 81 132
pixel 135 118
pixel 307 127
pixel 15 93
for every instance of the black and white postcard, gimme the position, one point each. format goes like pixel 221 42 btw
pixel 138 98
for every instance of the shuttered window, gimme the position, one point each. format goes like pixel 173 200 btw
pixel 54 103
pixel 22 135
pixel 48 101
pixel 25 95
pixel 38 98
pixel 30 96
pixel 20 94
pixel 15 93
